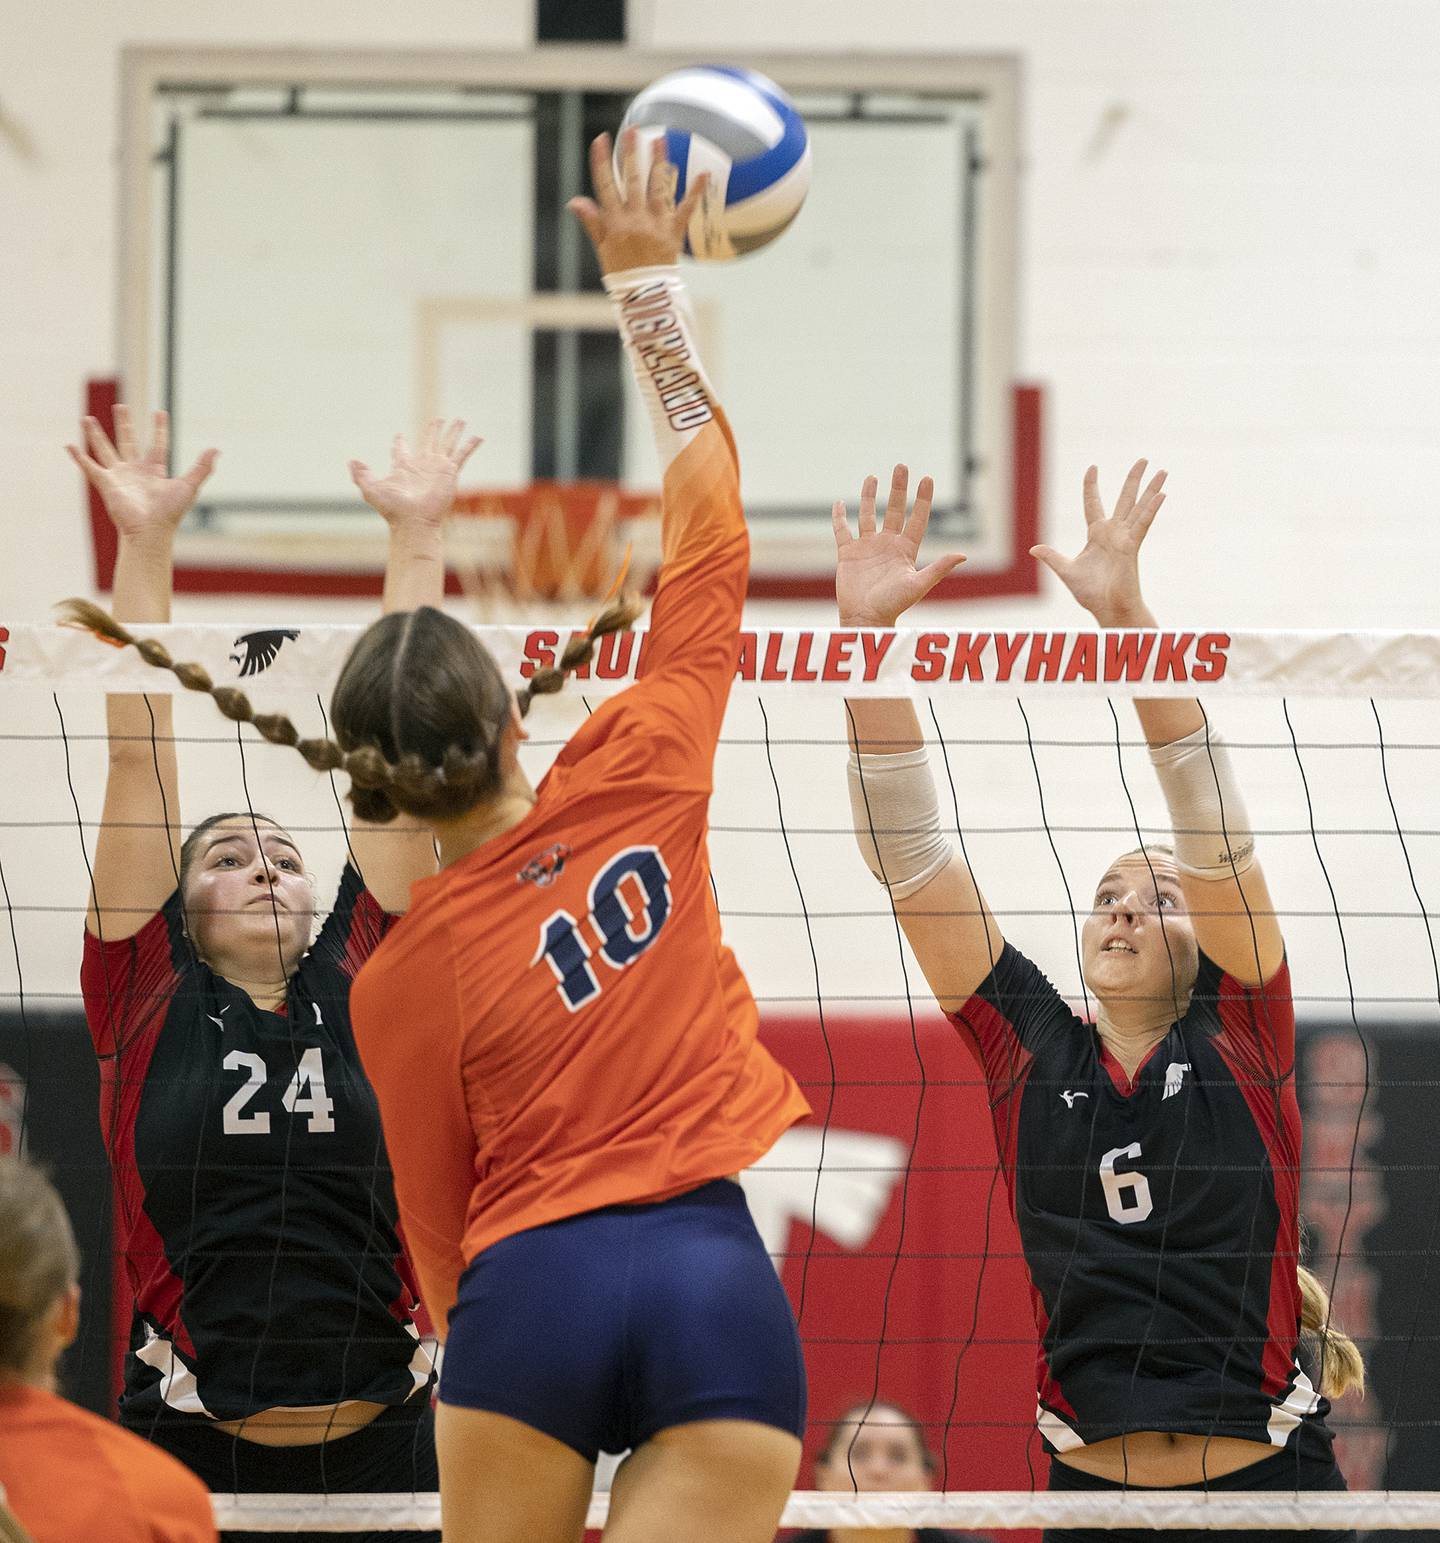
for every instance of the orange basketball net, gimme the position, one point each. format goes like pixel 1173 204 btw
pixel 566 542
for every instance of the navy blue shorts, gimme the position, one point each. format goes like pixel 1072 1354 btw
pixel 605 1328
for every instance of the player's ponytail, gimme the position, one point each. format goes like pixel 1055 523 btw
pixel 1342 1368
pixel 615 617
pixel 419 709
pixel 39 1262
pixel 321 754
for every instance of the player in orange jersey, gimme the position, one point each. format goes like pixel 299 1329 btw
pixel 563 1048
pixel 67 1475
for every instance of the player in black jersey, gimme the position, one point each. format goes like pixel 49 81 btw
pixel 1153 1156
pixel 273 1344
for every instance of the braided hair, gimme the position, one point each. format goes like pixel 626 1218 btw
pixel 419 709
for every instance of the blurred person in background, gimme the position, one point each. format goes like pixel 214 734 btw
pixel 878 1448
pixel 67 1475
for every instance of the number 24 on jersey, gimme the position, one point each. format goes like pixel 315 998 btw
pixel 629 902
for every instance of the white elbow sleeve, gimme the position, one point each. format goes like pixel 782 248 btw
pixel 1213 839
pixel 897 820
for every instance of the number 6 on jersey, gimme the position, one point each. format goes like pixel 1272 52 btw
pixel 626 919
pixel 1127 1195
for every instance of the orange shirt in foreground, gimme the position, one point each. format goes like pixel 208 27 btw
pixel 71 1477
pixel 556 1025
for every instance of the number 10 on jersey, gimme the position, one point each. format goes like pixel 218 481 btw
pixel 624 918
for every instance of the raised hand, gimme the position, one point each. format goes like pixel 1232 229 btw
pixel 635 222
pixel 421 484
pixel 1105 576
pixel 875 575
pixel 139 494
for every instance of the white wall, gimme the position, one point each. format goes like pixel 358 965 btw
pixel 1229 247
pixel 1227 264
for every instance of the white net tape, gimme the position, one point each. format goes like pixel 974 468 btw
pixel 835 663
pixel 1165 1510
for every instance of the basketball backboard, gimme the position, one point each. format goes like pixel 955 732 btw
pixel 322 250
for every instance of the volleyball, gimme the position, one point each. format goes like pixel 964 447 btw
pixel 740 127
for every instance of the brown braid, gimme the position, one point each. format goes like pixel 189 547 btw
pixel 425 790
pixel 548 679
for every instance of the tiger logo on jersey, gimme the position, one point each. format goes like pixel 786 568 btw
pixel 546 868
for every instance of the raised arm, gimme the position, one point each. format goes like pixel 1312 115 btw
pixel 637 229
pixel 893 797
pixel 1225 891
pixel 137 853
pixel 414 500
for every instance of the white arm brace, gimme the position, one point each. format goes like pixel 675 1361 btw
pixel 1213 839
pixel 897 820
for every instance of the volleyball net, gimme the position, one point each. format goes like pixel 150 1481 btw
pixel 886 1214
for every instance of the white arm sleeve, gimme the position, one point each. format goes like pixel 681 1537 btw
pixel 1213 839
pixel 657 329
pixel 897 820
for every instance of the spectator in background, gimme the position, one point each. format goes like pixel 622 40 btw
pixel 67 1475
pixel 875 1447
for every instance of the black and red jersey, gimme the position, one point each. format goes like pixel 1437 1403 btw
pixel 1159 1215
pixel 254 1198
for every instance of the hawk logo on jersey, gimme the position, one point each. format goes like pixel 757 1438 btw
pixel 260 649
pixel 1070 1097
pixel 1174 1078
pixel 546 868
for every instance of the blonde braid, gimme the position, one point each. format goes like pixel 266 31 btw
pixel 1342 1367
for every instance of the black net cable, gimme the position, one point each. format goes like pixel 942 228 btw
pixel 1337 1243
pixel 914 1134
pixel 995 1173
pixel 1177 1012
pixel 1094 1113
pixel 1422 1296
pixel 820 1014
pixel 379 1159
pixel 270 1284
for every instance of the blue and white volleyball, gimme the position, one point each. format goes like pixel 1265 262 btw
pixel 742 129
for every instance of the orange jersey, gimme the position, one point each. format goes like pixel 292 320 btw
pixel 71 1477
pixel 556 1024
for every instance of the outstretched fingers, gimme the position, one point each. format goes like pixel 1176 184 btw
pixel 840 524
pixel 1094 504
pixel 200 471
pixel 592 220
pixel 868 489
pixel 1055 561
pixel 98 442
pixel 466 450
pixel 1147 509
pixel 1125 504
pixel 124 433
pixel 1148 503
pixel 92 469
pixel 895 503
pixel 632 170
pixel 602 176
pixel 931 574
pixel 919 519
pixel 691 201
pixel 159 455
pixel 662 178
